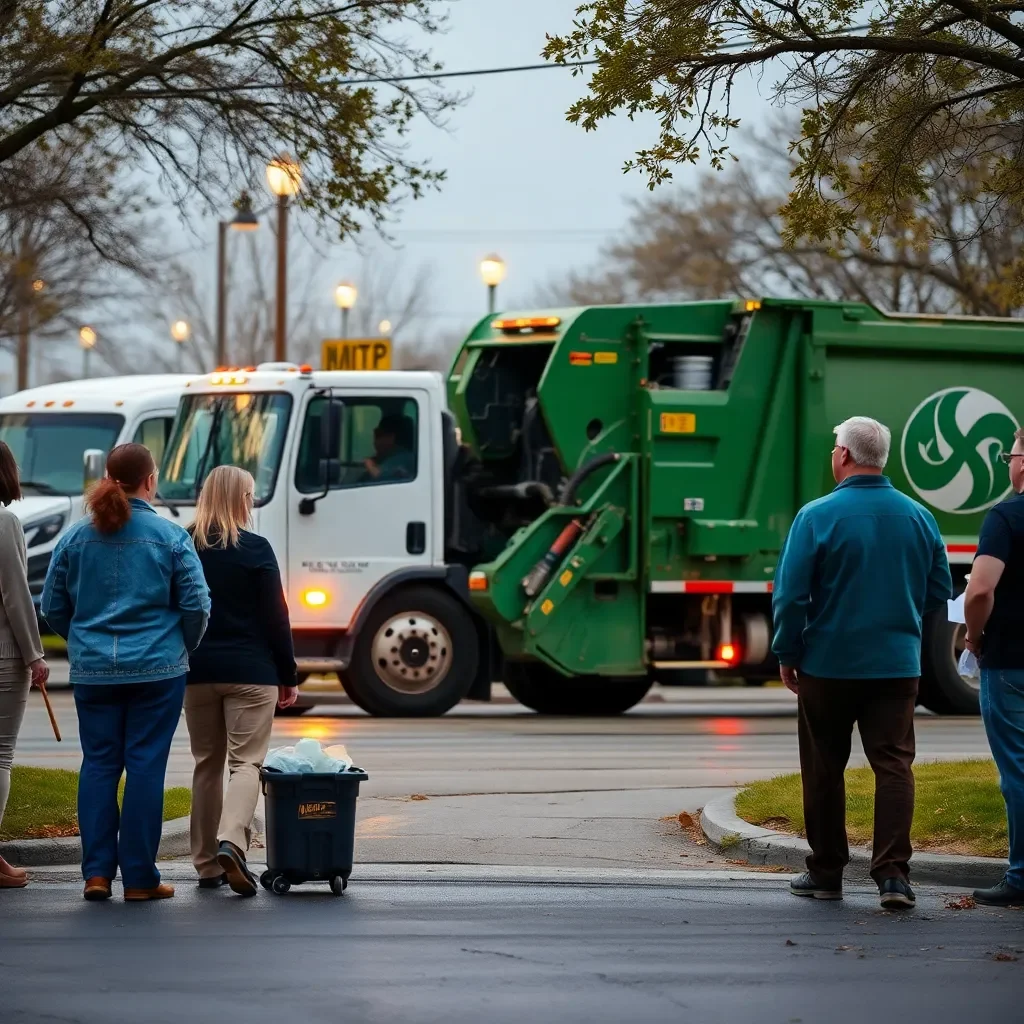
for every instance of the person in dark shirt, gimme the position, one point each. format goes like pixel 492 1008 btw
pixel 242 669
pixel 994 610
pixel 393 455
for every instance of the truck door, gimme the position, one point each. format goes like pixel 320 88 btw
pixel 376 515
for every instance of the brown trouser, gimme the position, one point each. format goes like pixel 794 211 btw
pixel 226 722
pixel 883 710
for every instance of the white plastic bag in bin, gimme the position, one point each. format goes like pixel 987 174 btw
pixel 309 757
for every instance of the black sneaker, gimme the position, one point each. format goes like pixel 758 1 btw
pixel 805 885
pixel 213 883
pixel 1002 894
pixel 895 894
pixel 240 878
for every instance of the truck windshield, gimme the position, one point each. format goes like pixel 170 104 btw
pixel 241 429
pixel 49 446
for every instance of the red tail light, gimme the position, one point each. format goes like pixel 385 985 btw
pixel 729 653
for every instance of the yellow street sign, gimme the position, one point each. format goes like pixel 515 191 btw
pixel 356 354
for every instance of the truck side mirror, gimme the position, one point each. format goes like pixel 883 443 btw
pixel 328 449
pixel 93 466
pixel 330 429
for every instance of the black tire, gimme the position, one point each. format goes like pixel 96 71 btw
pixel 429 667
pixel 754 680
pixel 337 885
pixel 280 885
pixel 942 688
pixel 267 880
pixel 542 689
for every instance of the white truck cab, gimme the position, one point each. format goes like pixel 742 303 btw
pixel 354 491
pixel 49 429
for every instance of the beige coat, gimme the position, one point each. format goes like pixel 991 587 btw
pixel 19 627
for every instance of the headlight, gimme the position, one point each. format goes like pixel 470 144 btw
pixel 42 531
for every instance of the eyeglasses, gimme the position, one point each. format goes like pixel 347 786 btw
pixel 1005 457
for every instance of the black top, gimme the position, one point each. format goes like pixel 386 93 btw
pixel 249 638
pixel 1002 537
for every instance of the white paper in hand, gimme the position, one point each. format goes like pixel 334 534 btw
pixel 955 609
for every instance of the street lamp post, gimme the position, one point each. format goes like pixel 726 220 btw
pixel 345 296
pixel 285 179
pixel 384 328
pixel 180 333
pixel 244 220
pixel 87 339
pixel 492 270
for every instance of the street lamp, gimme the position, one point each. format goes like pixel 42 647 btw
pixel 244 220
pixel 285 179
pixel 384 328
pixel 492 270
pixel 345 296
pixel 87 339
pixel 180 333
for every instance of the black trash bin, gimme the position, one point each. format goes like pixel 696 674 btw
pixel 311 826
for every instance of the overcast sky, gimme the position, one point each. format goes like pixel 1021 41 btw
pixel 522 181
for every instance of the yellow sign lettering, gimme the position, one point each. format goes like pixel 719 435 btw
pixel 356 354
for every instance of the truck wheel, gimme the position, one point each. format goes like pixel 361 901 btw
pixel 415 656
pixel 542 689
pixel 943 690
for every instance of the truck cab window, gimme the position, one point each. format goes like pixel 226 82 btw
pixel 153 433
pixel 378 445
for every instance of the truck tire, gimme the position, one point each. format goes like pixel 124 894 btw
pixel 542 689
pixel 942 688
pixel 415 656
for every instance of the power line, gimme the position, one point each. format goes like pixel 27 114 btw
pixel 737 44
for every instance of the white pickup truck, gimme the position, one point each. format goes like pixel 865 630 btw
pixel 50 429
pixel 355 491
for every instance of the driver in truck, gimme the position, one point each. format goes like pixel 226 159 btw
pixel 393 457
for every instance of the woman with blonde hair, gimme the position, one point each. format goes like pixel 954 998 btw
pixel 244 667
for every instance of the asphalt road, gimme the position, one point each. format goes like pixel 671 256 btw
pixel 701 950
pixel 505 786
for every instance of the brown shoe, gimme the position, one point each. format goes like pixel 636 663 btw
pixel 97 889
pixel 13 881
pixel 160 892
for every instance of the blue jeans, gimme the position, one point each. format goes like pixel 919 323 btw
pixel 1002 708
pixel 125 727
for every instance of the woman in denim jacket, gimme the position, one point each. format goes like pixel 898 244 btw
pixel 125 588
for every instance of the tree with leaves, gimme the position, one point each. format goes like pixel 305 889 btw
pixel 727 237
pixel 208 92
pixel 73 237
pixel 896 96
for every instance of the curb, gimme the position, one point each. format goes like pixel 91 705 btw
pixel 407 873
pixel 174 842
pixel 724 829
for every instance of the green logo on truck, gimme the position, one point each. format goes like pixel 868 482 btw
pixel 951 446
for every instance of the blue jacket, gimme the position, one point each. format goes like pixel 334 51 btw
pixel 859 569
pixel 130 604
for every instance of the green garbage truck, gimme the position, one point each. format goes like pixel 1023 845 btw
pixel 632 472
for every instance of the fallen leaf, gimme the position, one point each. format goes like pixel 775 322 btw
pixel 961 903
pixel 419 796
pixel 790 942
pixel 744 862
pixel 686 819
pixel 1005 958
pixel 843 949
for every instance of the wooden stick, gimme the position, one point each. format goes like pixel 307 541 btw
pixel 49 711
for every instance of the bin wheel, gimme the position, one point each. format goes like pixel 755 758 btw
pixel 337 885
pixel 281 885
pixel 267 879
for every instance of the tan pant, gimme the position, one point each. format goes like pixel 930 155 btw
pixel 232 722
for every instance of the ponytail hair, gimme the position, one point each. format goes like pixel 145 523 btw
pixel 128 466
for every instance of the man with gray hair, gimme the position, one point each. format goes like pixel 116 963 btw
pixel 857 573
